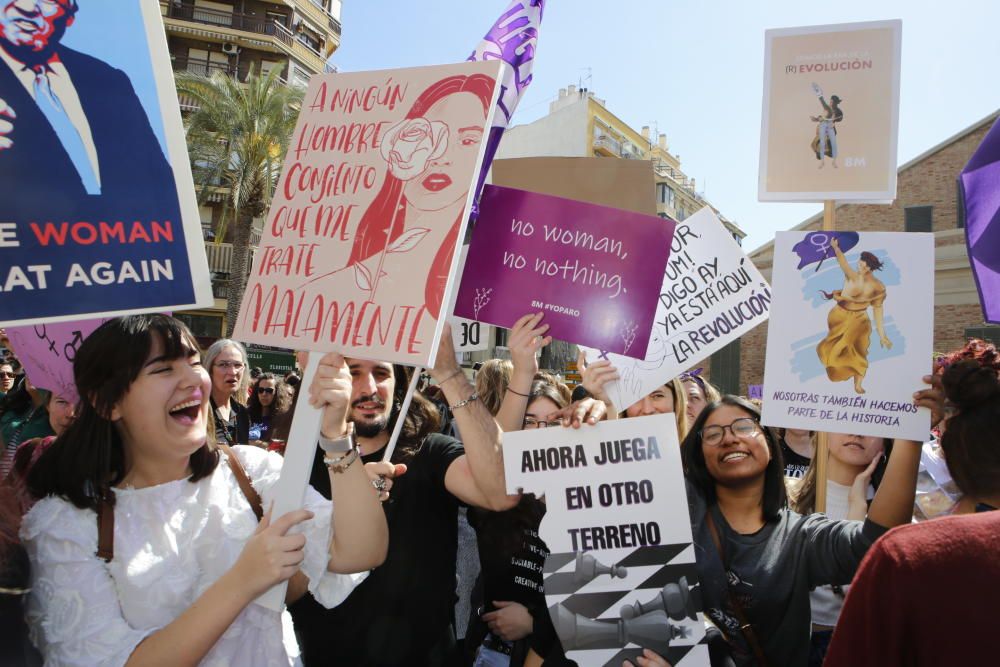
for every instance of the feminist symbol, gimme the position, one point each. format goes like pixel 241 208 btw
pixel 43 335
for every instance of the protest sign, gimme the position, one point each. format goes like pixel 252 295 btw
pixel 592 270
pixel 98 216
pixel 359 248
pixel 851 333
pixel 623 184
pixel 621 565
pixel 711 295
pixel 47 352
pixel 469 336
pixel 831 112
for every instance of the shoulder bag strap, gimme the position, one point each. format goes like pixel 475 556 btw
pixel 106 508
pixel 241 478
pixel 746 628
pixel 106 527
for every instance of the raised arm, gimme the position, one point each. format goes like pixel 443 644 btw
pixel 360 533
pixel 477 478
pixel 844 266
pixel 527 337
pixel 594 377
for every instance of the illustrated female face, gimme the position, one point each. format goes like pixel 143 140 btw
pixel 863 268
pixel 445 180
pixel 227 370
pixel 696 400
pixel 733 459
pixel 854 450
pixel 541 410
pixel 165 410
pixel 265 392
pixel 657 403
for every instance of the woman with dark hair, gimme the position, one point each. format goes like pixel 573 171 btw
pixel 145 545
pixel 855 467
pixel 948 564
pixel 844 351
pixel 15 649
pixel 757 559
pixel 269 399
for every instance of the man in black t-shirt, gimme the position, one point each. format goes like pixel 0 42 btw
pixel 401 615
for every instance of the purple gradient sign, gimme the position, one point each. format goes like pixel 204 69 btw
pixel 594 271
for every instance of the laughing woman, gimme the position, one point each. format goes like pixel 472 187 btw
pixel 182 555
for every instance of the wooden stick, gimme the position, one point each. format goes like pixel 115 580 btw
pixel 402 413
pixel 821 455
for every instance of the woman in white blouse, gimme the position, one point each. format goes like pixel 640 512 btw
pixel 189 556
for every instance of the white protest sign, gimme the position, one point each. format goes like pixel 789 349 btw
pixel 711 295
pixel 851 332
pixel 622 563
pixel 469 335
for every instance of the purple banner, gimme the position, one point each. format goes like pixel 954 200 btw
pixel 47 351
pixel 980 184
pixel 594 271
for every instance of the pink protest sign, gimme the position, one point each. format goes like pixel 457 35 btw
pixel 594 271
pixel 359 249
pixel 47 351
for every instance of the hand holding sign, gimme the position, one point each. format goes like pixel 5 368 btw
pixel 330 390
pixel 595 375
pixel 527 337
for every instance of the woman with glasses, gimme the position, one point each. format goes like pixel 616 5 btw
pixel 226 361
pixel 512 617
pixel 757 559
pixel 7 377
pixel 269 400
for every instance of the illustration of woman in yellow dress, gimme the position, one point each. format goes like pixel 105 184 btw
pixel 844 351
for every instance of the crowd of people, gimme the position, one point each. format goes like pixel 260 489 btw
pixel 135 524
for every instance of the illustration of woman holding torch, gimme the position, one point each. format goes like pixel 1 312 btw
pixel 844 351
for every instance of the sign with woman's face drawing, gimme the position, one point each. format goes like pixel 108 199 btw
pixel 851 332
pixel 360 246
pixel 831 111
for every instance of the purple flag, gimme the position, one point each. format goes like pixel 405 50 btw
pixel 980 187
pixel 815 247
pixel 512 39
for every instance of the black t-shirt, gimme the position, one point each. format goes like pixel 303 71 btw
pixel 404 608
pixel 237 430
pixel 795 464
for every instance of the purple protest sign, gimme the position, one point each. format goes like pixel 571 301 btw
pixel 594 271
pixel 980 188
pixel 47 351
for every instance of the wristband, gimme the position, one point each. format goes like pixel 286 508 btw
pixel 462 404
pixel 514 391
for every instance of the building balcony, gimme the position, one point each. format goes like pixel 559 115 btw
pixel 318 15
pixel 291 45
pixel 202 67
pixel 227 23
pixel 607 145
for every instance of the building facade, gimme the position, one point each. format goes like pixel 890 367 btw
pixel 927 200
pixel 296 37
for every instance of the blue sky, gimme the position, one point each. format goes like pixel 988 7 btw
pixel 694 69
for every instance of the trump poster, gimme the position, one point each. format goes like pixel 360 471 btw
pixel 98 215
pixel 361 243
pixel 593 270
pixel 831 112
pixel 852 322
pixel 621 574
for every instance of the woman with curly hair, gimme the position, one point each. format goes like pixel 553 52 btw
pixel 269 399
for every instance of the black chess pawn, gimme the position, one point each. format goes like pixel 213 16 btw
pixel 675 599
pixel 589 568
pixel 576 632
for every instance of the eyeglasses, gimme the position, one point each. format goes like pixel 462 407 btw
pixel 265 390
pixel 744 427
pixel 235 365
pixel 531 422
pixel 5 374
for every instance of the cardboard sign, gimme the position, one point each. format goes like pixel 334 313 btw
pixel 469 336
pixel 623 184
pixel 47 352
pixel 622 563
pixel 831 112
pixel 98 216
pixel 851 333
pixel 711 295
pixel 592 270
pixel 360 246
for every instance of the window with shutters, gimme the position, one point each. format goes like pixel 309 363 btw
pixel 918 218
pixel 725 368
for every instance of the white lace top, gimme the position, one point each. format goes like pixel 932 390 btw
pixel 172 541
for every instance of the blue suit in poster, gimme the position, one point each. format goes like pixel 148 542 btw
pixel 85 179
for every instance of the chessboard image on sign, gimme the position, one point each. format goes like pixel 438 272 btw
pixel 621 574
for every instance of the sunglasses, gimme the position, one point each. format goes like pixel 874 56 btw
pixel 5 374
pixel 265 390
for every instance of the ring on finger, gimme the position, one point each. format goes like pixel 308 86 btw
pixel 379 484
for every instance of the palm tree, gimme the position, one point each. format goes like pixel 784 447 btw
pixel 237 138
